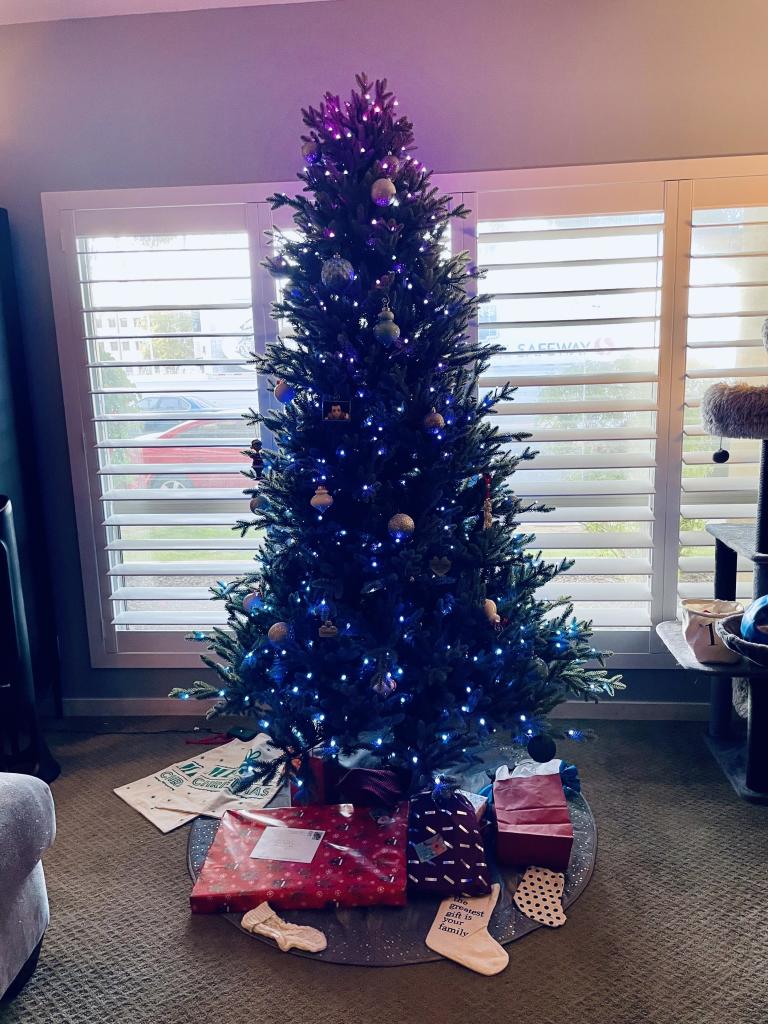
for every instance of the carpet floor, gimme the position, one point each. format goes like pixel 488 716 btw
pixel 673 928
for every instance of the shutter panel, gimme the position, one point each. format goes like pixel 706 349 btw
pixel 727 303
pixel 165 304
pixel 576 285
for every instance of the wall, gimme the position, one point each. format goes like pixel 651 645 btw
pixel 214 96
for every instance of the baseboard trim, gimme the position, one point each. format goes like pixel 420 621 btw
pixel 635 711
pixel 619 710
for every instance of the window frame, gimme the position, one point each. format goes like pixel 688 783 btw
pixel 574 190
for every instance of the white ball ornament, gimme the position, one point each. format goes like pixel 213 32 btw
pixel 383 192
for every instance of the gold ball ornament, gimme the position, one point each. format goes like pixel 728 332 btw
pixel 489 607
pixel 385 329
pixel 321 499
pixel 278 633
pixel 383 192
pixel 401 526
pixel 434 421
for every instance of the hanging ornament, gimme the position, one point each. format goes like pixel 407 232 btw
pixel 257 460
pixel 337 272
pixel 487 503
pixel 321 499
pixel 440 565
pixel 328 629
pixel 385 329
pixel 383 192
pixel 384 684
pixel 446 604
pixel 258 502
pixel 538 669
pixel 721 455
pixel 278 633
pixel 252 602
pixel 401 526
pixel 310 151
pixel 284 392
pixel 542 748
pixel 391 165
pixel 489 608
pixel 433 421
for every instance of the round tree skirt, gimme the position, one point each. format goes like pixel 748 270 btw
pixel 393 936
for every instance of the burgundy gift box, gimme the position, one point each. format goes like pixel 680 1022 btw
pixel 360 861
pixel 334 783
pixel 533 823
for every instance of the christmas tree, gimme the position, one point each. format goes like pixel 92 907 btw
pixel 393 605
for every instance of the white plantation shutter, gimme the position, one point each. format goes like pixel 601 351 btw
pixel 727 304
pixel 576 280
pixel 165 316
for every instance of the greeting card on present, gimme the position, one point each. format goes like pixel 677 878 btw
pixel 353 856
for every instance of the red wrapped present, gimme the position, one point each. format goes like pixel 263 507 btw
pixel 533 823
pixel 297 857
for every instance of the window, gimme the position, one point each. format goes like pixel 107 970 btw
pixel 619 294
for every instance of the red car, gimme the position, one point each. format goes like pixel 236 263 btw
pixel 227 439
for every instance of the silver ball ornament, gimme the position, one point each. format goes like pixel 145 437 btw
pixel 310 151
pixel 383 192
pixel 337 272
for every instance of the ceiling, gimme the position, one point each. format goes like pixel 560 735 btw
pixel 15 12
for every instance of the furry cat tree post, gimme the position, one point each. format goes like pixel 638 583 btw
pixel 741 411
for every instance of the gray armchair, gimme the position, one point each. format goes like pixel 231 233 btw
pixel 27 829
